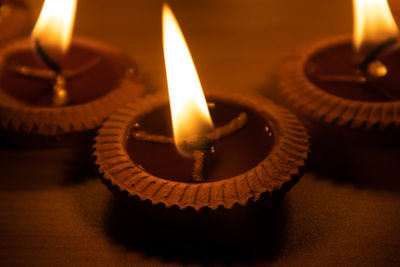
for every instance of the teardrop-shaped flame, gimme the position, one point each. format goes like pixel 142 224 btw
pixel 190 114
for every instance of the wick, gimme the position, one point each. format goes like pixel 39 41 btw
pixel 370 67
pixel 375 52
pixel 197 146
pixel 371 70
pixel 375 70
pixel 55 74
pixel 198 166
pixel 358 79
pixel 50 63
pixel 229 128
pixel 144 136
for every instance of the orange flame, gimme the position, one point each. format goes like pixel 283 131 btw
pixel 54 27
pixel 373 24
pixel 190 114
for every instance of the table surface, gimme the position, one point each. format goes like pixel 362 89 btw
pixel 344 211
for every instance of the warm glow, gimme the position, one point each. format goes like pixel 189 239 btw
pixel 54 27
pixel 373 24
pixel 190 115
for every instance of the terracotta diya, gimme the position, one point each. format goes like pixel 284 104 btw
pixel 234 149
pixel 52 86
pixel 353 84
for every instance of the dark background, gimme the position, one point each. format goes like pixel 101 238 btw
pixel 344 211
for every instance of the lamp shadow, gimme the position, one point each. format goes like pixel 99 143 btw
pixel 32 168
pixel 370 162
pixel 223 241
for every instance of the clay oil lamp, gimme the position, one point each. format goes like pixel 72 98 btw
pixel 53 86
pixel 14 19
pixel 193 154
pixel 349 84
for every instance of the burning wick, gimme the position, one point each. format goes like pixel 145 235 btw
pixel 52 37
pixel 55 74
pixel 196 146
pixel 193 130
pixel 374 70
pixel 370 68
pixel 374 31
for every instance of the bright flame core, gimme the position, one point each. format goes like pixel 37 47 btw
pixel 189 111
pixel 54 27
pixel 373 24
